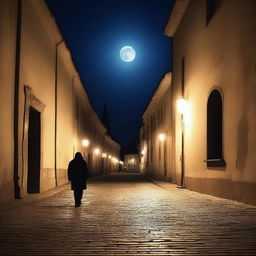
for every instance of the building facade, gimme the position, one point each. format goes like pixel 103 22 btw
pixel 214 84
pixel 132 162
pixel 155 134
pixel 45 111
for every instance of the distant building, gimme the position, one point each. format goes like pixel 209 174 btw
pixel 213 96
pixel 155 135
pixel 45 111
pixel 132 162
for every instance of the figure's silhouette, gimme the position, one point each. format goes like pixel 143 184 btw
pixel 78 175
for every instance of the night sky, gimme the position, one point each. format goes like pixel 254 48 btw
pixel 95 31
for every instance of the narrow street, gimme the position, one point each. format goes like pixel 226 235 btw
pixel 125 214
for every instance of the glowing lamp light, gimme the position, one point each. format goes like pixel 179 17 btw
pixel 142 152
pixel 104 155
pixel 114 160
pixel 96 151
pixel 182 106
pixel 109 156
pixel 121 162
pixel 161 136
pixel 85 143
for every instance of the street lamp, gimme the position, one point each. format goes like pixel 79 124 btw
pixel 182 108
pixel 96 151
pixel 85 144
pixel 161 136
pixel 114 160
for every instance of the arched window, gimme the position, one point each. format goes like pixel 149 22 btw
pixel 214 130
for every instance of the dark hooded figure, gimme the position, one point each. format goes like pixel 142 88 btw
pixel 78 175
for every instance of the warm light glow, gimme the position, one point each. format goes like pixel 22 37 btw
pixel 132 160
pixel 104 155
pixel 114 160
pixel 85 143
pixel 142 152
pixel 182 107
pixel 121 162
pixel 109 156
pixel 96 151
pixel 75 142
pixel 161 136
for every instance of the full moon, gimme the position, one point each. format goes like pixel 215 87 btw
pixel 127 53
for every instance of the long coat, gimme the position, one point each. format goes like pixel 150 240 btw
pixel 78 173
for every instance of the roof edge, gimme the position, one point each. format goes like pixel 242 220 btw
pixel 175 17
pixel 160 89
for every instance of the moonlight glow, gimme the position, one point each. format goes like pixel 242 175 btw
pixel 127 53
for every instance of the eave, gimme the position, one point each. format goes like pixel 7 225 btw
pixel 175 17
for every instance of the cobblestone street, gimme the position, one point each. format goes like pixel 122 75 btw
pixel 125 214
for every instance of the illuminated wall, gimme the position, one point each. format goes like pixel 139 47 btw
pixel 53 112
pixel 214 49
pixel 7 79
pixel 132 162
pixel 89 127
pixel 155 135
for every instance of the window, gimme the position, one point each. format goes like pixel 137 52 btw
pixel 158 117
pixel 211 8
pixel 151 123
pixel 77 110
pixel 151 151
pixel 214 130
pixel 163 113
pixel 154 121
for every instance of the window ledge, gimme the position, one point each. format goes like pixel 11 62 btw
pixel 215 162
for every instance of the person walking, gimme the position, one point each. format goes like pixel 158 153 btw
pixel 78 175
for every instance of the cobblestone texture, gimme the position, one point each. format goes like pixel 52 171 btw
pixel 128 215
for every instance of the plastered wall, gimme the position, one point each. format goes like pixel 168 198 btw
pixel 220 54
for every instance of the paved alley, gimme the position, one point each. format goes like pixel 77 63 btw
pixel 125 214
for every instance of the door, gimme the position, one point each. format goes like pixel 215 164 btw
pixel 34 148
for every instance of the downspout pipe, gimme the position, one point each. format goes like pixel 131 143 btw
pixel 16 177
pixel 182 153
pixel 56 111
pixel 182 156
pixel 182 128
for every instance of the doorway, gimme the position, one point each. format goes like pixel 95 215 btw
pixel 34 151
